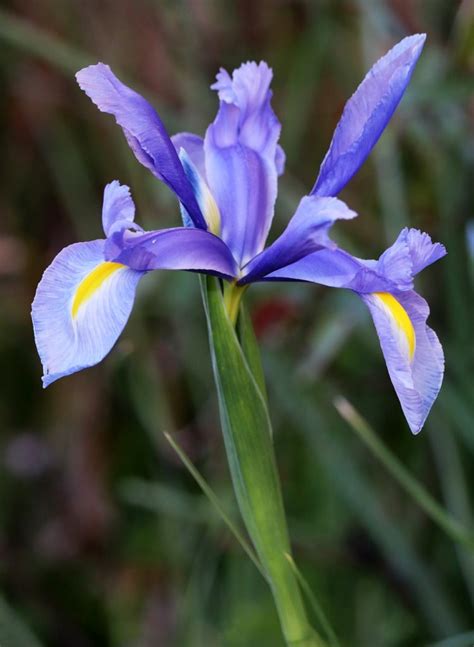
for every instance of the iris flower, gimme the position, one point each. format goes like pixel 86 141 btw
pixel 226 184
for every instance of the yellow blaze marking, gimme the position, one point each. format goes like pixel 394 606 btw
pixel 92 282
pixel 212 213
pixel 401 318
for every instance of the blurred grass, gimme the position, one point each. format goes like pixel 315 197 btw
pixel 104 537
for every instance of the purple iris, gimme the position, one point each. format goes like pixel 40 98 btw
pixel 226 185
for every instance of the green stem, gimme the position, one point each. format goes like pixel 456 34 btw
pixel 432 508
pixel 247 436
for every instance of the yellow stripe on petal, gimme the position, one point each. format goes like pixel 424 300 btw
pixel 91 283
pixel 400 317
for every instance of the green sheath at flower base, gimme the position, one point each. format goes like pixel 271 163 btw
pixel 247 436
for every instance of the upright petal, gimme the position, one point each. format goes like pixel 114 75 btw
pixel 143 129
pixel 118 208
pixel 242 159
pixel 366 114
pixel 412 351
pixel 307 232
pixel 423 251
pixel 181 248
pixel 81 306
pixel 204 197
pixel 194 147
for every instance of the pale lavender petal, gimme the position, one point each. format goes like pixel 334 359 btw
pixel 118 208
pixel 242 160
pixel 416 379
pixel 143 129
pixel 181 248
pixel 366 114
pixel 423 251
pixel 280 159
pixel 74 330
pixel 306 232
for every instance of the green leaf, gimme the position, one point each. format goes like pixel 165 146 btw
pixel 249 345
pixel 248 440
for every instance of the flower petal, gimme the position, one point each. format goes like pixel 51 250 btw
pixel 180 248
pixel 306 232
pixel 393 271
pixel 241 158
pixel 118 208
pixel 412 351
pixel 366 114
pixel 143 129
pixel 204 197
pixel 194 147
pixel 80 308
pixel 423 251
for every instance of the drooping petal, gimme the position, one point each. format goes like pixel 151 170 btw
pixel 366 114
pixel 118 208
pixel 81 306
pixel 306 232
pixel 180 248
pixel 242 160
pixel 143 129
pixel 411 349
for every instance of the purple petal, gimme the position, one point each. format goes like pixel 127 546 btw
pixel 242 159
pixel 204 197
pixel 81 306
pixel 280 159
pixel 423 251
pixel 393 271
pixel 331 267
pixel 307 232
pixel 194 147
pixel 366 114
pixel 416 377
pixel 181 248
pixel 143 129
pixel 339 269
pixel 118 208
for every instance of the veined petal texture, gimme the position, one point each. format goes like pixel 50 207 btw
pixel 81 306
pixel 366 114
pixel 241 158
pixel 143 129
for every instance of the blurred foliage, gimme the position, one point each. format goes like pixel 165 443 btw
pixel 105 539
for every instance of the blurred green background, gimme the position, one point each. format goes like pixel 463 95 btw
pixel 105 540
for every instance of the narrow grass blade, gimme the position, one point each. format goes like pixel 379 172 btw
pixel 215 502
pixel 432 508
pixel 317 609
